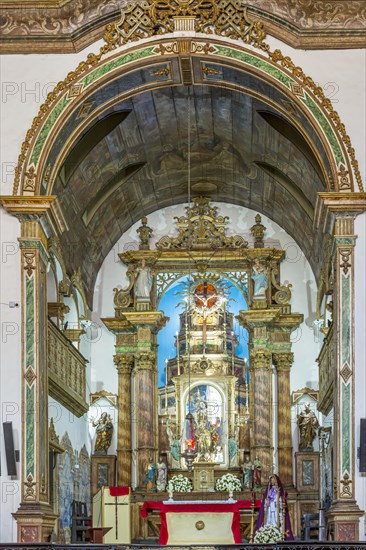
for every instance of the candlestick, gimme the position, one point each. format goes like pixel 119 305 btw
pixel 178 361
pixel 166 385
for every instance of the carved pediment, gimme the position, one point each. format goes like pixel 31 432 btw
pixel 201 229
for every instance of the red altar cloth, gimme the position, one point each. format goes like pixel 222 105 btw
pixel 233 508
pixel 119 491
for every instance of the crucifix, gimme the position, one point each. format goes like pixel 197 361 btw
pixel 205 300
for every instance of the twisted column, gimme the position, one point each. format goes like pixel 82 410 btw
pixel 124 363
pixel 283 362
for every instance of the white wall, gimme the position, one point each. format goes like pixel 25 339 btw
pixel 10 364
pixel 342 75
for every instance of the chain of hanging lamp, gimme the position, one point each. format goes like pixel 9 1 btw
pixel 190 452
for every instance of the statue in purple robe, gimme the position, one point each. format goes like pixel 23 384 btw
pixel 273 510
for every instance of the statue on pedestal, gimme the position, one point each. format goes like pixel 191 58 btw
pixel 260 280
pixel 308 425
pixel 150 475
pixel 174 443
pixel 104 431
pixel 273 510
pixel 144 281
pixel 248 468
pixel 257 473
pixel 162 475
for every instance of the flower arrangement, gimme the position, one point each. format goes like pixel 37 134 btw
pixel 267 534
pixel 228 482
pixel 179 484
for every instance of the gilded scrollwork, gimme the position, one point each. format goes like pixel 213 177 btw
pixel 226 18
pixel 283 294
pixel 201 228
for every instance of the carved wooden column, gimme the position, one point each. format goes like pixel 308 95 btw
pixel 261 408
pixel 125 363
pixel 258 323
pixel 283 362
pixel 146 427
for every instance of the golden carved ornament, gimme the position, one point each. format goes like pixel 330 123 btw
pixel 144 19
pixel 124 362
pixel 29 262
pixel 345 255
pixel 202 228
pixel 104 394
pixel 261 358
pixel 283 294
pixel 283 360
pixel 346 489
pixel 30 493
pixel 145 361
pixel 258 230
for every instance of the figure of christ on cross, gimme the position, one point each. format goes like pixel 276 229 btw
pixel 205 298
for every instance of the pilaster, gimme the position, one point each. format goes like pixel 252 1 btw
pixel 35 517
pixel 344 514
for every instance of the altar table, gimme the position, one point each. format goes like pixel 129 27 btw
pixel 199 522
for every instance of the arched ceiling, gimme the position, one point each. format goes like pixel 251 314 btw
pixel 134 161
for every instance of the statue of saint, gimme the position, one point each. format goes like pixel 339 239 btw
pixel 150 473
pixel 144 232
pixel 274 510
pixel 144 281
pixel 260 280
pixel 248 473
pixel 308 424
pixel 104 431
pixel 162 475
pixel 257 473
pixel 174 442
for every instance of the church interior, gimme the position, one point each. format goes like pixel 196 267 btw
pixel 183 250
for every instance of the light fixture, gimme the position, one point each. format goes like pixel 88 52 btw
pixel 190 452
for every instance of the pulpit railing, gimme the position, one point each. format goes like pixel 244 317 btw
pixel 66 372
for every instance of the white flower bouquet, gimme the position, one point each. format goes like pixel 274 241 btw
pixel 228 482
pixel 179 484
pixel 267 534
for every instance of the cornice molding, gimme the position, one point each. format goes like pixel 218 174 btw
pixel 23 204
pixel 61 26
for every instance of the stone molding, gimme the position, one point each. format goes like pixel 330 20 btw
pixel 64 26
